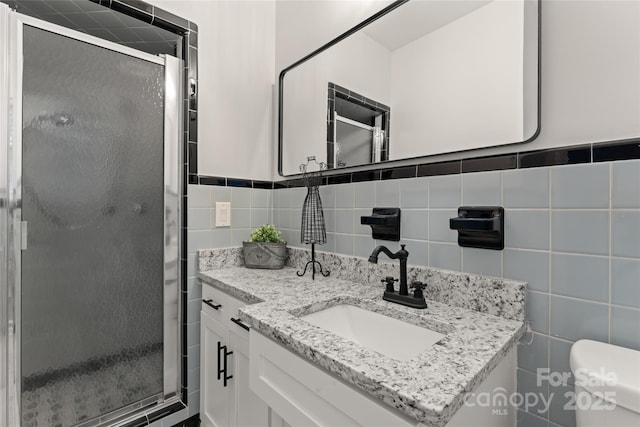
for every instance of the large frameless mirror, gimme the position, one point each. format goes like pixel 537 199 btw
pixel 419 78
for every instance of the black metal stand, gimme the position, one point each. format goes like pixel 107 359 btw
pixel 313 263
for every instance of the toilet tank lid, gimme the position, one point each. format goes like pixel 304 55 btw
pixel 600 368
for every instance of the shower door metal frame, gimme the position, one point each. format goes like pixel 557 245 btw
pixel 16 240
pixel 4 212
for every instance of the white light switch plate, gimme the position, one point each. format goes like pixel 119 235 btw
pixel 223 214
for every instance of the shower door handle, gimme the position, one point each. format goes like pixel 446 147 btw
pixel 223 371
pixel 23 235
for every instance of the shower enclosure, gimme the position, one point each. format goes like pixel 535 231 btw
pixel 89 216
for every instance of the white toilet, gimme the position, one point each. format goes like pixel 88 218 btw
pixel 607 391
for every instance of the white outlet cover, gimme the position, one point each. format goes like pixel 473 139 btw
pixel 223 214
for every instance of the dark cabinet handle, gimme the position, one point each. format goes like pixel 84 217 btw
pixel 223 371
pixel 226 377
pixel 220 347
pixel 210 303
pixel 224 363
pixel 239 323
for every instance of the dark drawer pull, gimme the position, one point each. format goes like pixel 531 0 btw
pixel 239 323
pixel 210 303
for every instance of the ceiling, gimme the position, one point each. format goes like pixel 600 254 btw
pixel 100 21
pixel 418 18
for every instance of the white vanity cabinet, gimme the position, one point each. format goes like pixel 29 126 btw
pixel 225 397
pixel 302 394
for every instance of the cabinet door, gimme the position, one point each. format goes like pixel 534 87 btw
pixel 214 396
pixel 247 409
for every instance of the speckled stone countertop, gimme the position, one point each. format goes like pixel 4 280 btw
pixel 429 388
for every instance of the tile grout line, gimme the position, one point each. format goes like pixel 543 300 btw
pixel 610 239
pixel 549 319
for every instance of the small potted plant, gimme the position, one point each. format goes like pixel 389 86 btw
pixel 265 249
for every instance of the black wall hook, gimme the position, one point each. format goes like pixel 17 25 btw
pixel 384 222
pixel 479 227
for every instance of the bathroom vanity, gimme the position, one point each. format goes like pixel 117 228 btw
pixel 224 367
pixel 301 371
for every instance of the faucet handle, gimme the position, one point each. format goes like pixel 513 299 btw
pixel 389 281
pixel 417 287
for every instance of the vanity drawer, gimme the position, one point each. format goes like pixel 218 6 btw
pixel 221 306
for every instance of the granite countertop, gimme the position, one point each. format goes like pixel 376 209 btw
pixel 429 388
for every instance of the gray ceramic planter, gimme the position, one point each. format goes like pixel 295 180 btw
pixel 264 255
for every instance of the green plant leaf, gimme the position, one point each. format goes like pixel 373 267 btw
pixel 266 233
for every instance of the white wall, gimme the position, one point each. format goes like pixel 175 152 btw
pixel 590 67
pixel 460 86
pixel 304 25
pixel 236 54
pixel 359 64
pixel 590 72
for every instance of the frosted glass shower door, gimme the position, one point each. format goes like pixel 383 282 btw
pixel 92 300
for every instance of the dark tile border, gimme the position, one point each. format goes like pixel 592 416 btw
pixel 479 164
pixel 627 149
pixel 245 183
pixel 235 182
pixel 555 157
pixel 440 168
pixel 169 21
pixel 278 185
pixel 344 178
pixel 267 185
pixel 363 176
pixel 192 151
pixel 135 4
pixel 399 172
pixel 128 9
pixel 213 180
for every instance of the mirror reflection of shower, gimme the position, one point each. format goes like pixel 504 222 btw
pixel 357 143
pixel 357 129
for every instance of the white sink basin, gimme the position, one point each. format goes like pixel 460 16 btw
pixel 391 337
